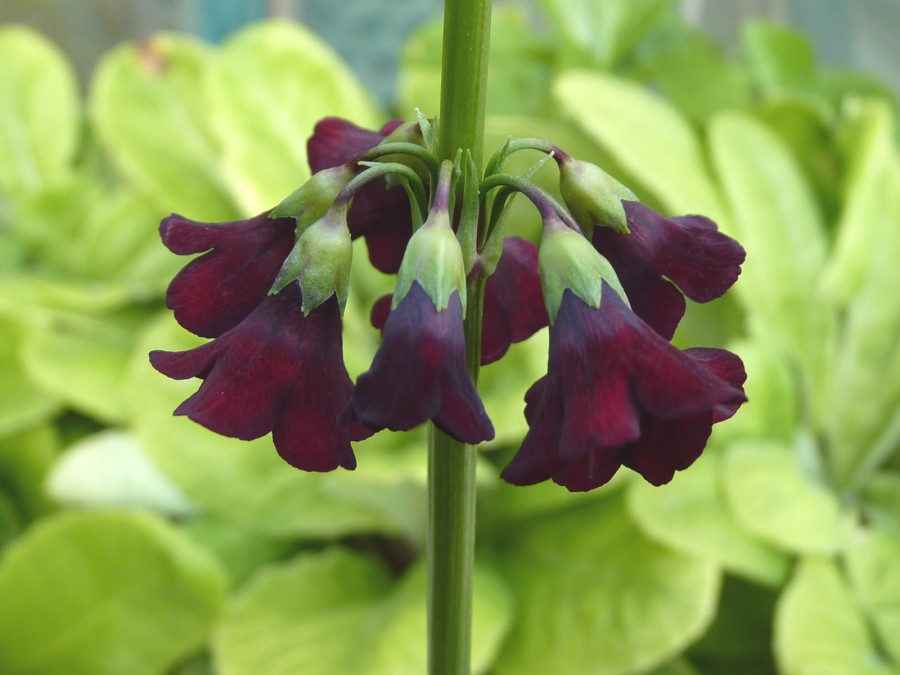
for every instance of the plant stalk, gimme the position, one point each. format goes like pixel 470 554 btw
pixel 451 464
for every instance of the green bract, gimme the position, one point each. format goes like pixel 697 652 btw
pixel 568 261
pixel 321 261
pixel 433 258
pixel 593 196
pixel 312 200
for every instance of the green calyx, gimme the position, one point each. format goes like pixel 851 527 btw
pixel 309 203
pixel 320 260
pixel 566 260
pixel 593 196
pixel 434 258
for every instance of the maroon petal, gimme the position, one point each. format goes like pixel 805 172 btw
pixel 380 311
pixel 379 213
pixel 589 472
pixel 382 215
pixel 689 251
pixel 513 304
pixel 538 459
pixel 419 373
pixel 667 446
pixel 214 292
pixel 275 371
pixel 726 366
pixel 337 141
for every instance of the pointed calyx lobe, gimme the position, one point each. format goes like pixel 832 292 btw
pixel 380 214
pixel 616 393
pixel 214 292
pixel 275 371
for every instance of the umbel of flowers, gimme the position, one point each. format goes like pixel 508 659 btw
pixel 609 276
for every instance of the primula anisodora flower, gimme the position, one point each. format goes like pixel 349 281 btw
pixel 419 373
pixel 379 213
pixel 661 255
pixel 275 371
pixel 616 393
pixel 217 290
pixel 513 307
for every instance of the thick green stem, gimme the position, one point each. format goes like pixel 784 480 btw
pixel 451 464
pixel 467 26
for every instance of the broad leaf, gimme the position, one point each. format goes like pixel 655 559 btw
pixel 861 421
pixel 691 514
pixel 604 31
pixel 772 497
pixel 269 85
pixel 22 403
pixel 695 75
pixel 25 459
pixel 873 564
pixel 880 498
pixel 594 595
pixel 777 220
pixel 104 592
pixel 819 628
pixel 111 469
pixel 781 61
pixel 646 135
pixel 81 362
pixel 520 66
pixel 772 387
pixel 337 612
pixel 151 113
pixel 39 111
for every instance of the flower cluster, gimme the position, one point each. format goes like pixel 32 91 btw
pixel 609 278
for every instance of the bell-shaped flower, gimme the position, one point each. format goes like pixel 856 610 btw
pixel 513 306
pixel 217 290
pixel 419 372
pixel 276 371
pixel 661 255
pixel 653 256
pixel 380 212
pixel 616 392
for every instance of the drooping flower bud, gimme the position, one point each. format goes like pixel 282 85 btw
pixel 320 260
pixel 566 260
pixel 592 195
pixel 434 258
pixel 311 201
pixel 419 373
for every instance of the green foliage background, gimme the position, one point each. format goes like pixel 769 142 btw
pixel 135 542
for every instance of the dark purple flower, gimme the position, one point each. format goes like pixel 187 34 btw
pixel 661 255
pixel 274 371
pixel 419 373
pixel 617 393
pixel 513 306
pixel 379 213
pixel 217 290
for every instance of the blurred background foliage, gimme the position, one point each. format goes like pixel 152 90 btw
pixel 135 542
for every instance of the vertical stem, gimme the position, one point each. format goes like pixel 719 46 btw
pixel 467 29
pixel 451 464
